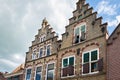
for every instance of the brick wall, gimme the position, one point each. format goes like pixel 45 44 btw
pixel 113 52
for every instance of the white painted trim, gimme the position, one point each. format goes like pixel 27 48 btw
pixel 90 61
pixel 26 72
pixel 52 62
pixel 40 72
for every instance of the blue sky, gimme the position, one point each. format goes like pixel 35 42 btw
pixel 21 19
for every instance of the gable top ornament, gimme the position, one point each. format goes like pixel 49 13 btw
pixel 44 23
pixel 80 3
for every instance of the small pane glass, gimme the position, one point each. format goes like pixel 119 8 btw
pixel 51 66
pixel 65 62
pixel 83 28
pixel 38 76
pixel 48 50
pixel 41 52
pixel 77 31
pixel 94 67
pixel 28 74
pixel 94 55
pixel 50 75
pixel 71 61
pixel 86 57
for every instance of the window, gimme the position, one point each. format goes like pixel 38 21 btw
pixel 16 78
pixel 42 38
pixel 9 79
pixel 33 56
pixel 68 66
pixel 79 34
pixel 48 50
pixel 50 72
pixel 90 62
pixel 28 75
pixel 41 52
pixel 38 73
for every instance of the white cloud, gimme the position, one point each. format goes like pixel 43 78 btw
pixel 118 18
pixel 104 7
pixel 114 22
pixel 20 21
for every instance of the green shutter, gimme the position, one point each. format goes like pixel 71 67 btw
pixel 71 61
pixel 65 62
pixel 86 57
pixel 94 55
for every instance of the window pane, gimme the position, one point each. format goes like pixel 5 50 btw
pixel 94 55
pixel 51 66
pixel 39 69
pixel 86 57
pixel 41 52
pixel 94 67
pixel 83 28
pixel 77 31
pixel 71 61
pixel 29 71
pixel 48 50
pixel 50 75
pixel 65 62
pixel 28 74
pixel 38 76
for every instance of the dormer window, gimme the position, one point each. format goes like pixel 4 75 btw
pixel 80 33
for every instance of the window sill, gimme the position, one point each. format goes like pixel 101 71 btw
pixel 91 73
pixel 79 42
pixel 68 77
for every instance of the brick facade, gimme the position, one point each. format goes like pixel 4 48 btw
pixel 76 41
pixel 113 55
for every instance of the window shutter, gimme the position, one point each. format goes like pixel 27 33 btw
pixel 71 70
pixel 64 72
pixel 86 68
pixel 100 64
pixel 78 51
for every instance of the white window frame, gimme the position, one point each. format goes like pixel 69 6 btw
pixel 40 72
pixel 67 66
pixel 52 70
pixel 50 49
pixel 79 25
pixel 90 61
pixel 26 72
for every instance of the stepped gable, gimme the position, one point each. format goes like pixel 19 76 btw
pixel 46 30
pixel 84 15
